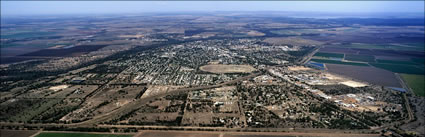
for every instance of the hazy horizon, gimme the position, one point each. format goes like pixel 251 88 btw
pixel 15 8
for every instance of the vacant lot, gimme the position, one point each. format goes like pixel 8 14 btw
pixel 51 134
pixel 416 83
pixel 227 68
pixel 368 74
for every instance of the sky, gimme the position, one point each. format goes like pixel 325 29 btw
pixel 10 8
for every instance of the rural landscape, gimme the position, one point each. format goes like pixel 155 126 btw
pixel 231 74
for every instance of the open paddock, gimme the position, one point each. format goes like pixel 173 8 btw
pixel 218 68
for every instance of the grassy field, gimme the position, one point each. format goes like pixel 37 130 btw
pixel 329 55
pixel 416 83
pixel 409 69
pixel 363 58
pixel 338 62
pixel 45 134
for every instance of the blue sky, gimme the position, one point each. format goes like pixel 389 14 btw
pixel 99 7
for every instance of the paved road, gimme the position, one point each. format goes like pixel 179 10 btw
pixel 306 58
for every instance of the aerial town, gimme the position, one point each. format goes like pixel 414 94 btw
pixel 142 74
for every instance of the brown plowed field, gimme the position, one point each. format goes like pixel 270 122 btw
pixel 368 74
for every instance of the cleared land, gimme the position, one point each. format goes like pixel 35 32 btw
pixel 368 74
pixel 51 134
pixel 213 68
pixel 416 83
pixel 17 133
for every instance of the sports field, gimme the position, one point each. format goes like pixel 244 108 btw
pixel 416 83
pixel 219 68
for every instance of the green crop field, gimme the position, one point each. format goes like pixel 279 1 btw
pixel 409 69
pixel 338 62
pixel 329 55
pixel 363 58
pixel 49 134
pixel 396 62
pixel 416 83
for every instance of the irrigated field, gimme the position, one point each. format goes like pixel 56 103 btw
pixel 409 69
pixel 416 83
pixel 51 134
pixel 213 68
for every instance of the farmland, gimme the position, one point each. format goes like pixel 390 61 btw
pixel 329 55
pixel 416 83
pixel 380 59
pixel 338 62
pixel 366 73
pixel 362 58
pixel 409 69
pixel 396 62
